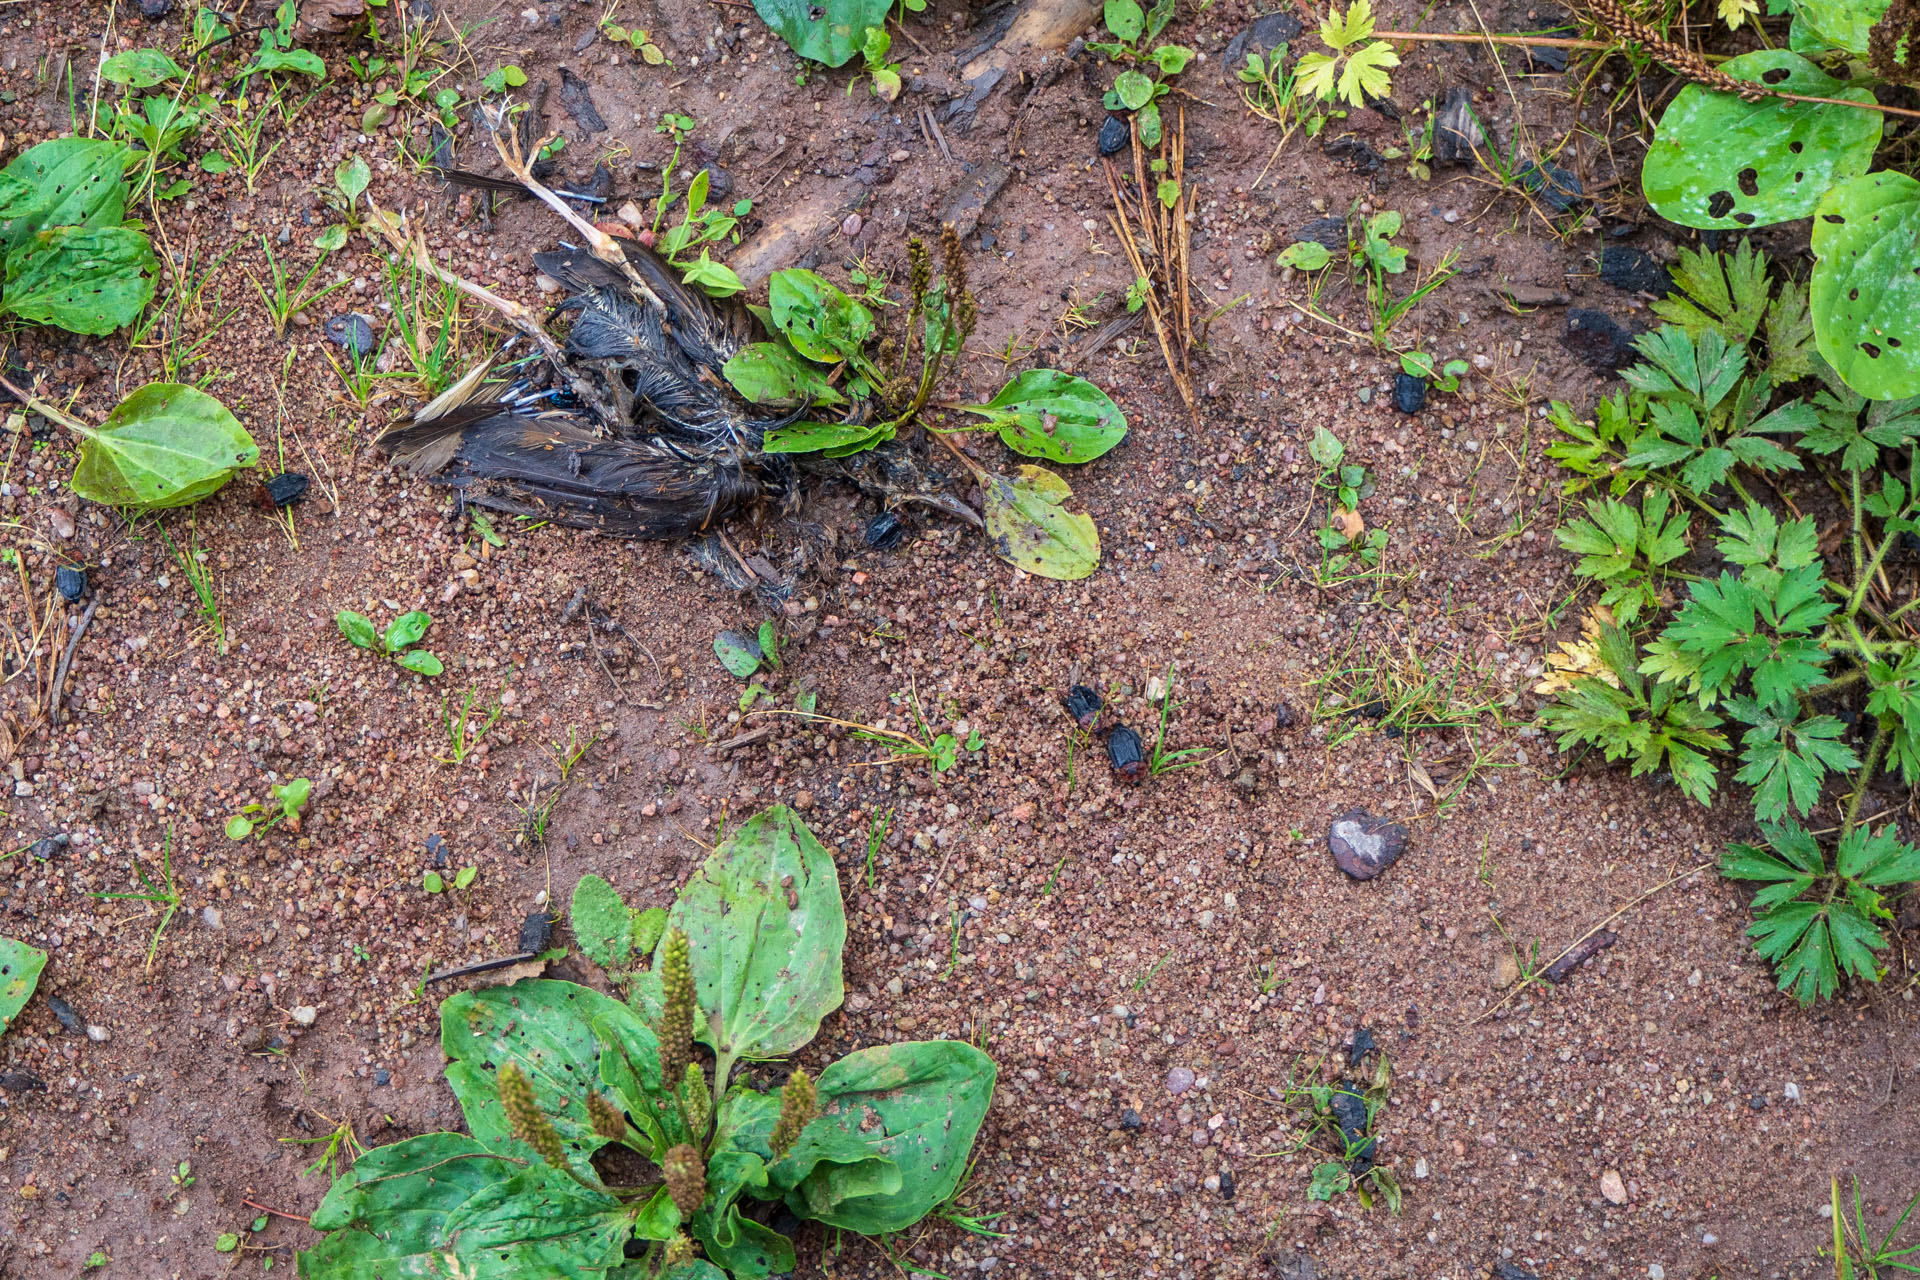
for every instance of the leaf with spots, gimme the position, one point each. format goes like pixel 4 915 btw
pixel 20 967
pixel 543 1027
pixel 166 445
pixel 1865 292
pixel 1719 162
pixel 1029 526
pixel 829 31
pixel 909 1112
pixel 1844 24
pixel 1044 413
pixel 86 280
pixel 766 927
pixel 68 182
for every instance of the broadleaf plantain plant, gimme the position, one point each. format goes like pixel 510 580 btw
pixel 1814 666
pixel 550 1074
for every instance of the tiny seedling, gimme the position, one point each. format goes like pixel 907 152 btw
pixel 350 181
pixel 504 77
pixel 183 1175
pixel 876 836
pixel 1164 761
pixel 1856 1256
pixel 568 754
pixel 193 567
pixel 339 1148
pixel 257 819
pixel 286 300
pixel 745 655
pixel 164 897
pixel 634 38
pixel 434 882
pixel 1445 377
pixel 886 75
pixel 401 635
pixel 463 735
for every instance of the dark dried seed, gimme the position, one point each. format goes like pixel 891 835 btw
pixel 68 1018
pixel 1084 705
pixel 535 931
pixel 286 489
pixel 885 531
pixel 1126 755
pixel 72 583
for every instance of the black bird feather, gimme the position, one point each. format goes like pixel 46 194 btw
pixel 672 452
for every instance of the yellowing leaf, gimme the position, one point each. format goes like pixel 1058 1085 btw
pixel 1735 12
pixel 1314 76
pixel 1337 32
pixel 1349 523
pixel 1577 658
pixel 1365 75
pixel 1028 525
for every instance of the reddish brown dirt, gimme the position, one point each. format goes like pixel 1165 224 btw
pixel 1108 935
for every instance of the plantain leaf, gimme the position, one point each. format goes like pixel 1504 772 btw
pixel 1865 291
pixel 82 279
pixel 1044 413
pixel 74 182
pixel 165 445
pixel 829 31
pixel 1027 525
pixel 1719 162
pixel 20 967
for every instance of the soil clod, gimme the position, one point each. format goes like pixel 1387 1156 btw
pixel 1362 1045
pixel 535 932
pixel 1634 271
pixel 1598 339
pixel 353 332
pixel 286 489
pixel 1263 36
pixel 1363 846
pixel 21 1082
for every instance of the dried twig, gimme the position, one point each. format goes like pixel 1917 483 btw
pixel 1122 228
pixel 1570 947
pixel 66 660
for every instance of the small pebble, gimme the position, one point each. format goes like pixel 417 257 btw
pixel 352 331
pixel 1226 1183
pixel 62 522
pixel 1613 1188
pixel 1130 1120
pixel 851 226
pixel 211 917
pixel 304 1014
pixel 1179 1080
pixel 98 1034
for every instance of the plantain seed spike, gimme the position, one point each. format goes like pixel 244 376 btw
pixel 524 1117
pixel 686 1179
pixel 799 1105
pixel 676 1015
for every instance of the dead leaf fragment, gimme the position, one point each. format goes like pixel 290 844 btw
pixel 329 17
pixel 1577 658
pixel 1349 523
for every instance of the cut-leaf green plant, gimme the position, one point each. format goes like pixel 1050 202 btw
pixel 1726 637
pixel 397 642
pixel 1356 69
pixel 550 1074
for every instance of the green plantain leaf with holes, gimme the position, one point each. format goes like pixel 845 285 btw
pixel 1866 283
pixel 1720 162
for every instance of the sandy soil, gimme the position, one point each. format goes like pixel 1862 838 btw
pixel 1109 939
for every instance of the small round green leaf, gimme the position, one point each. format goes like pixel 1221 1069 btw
pixel 407 629
pixel 420 662
pixel 738 653
pixel 239 828
pixel 356 627
pixel 1305 255
pixel 1865 292
pixel 1125 19
pixel 1718 162
pixel 1135 90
